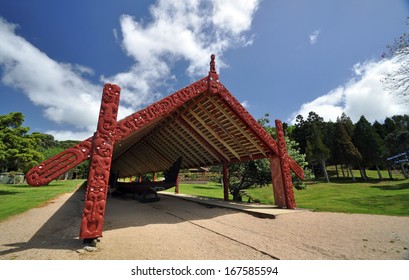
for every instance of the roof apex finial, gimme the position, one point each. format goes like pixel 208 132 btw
pixel 212 64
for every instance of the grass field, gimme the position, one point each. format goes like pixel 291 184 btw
pixel 341 195
pixel 373 197
pixel 15 199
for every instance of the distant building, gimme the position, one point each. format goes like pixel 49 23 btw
pixel 11 178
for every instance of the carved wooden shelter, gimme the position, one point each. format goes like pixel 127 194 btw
pixel 202 123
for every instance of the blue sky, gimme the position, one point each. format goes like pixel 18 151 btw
pixel 275 56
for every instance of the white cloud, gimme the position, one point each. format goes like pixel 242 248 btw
pixel 245 104
pixel 185 30
pixel 364 95
pixel 314 37
pixel 59 88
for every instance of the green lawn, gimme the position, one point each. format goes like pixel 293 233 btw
pixel 15 199
pixel 374 197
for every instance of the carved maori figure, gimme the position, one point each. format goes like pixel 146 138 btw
pixel 285 166
pixel 101 157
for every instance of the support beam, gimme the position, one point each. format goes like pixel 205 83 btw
pixel 277 180
pixel 225 181
pixel 177 187
pixel 101 157
pixel 285 166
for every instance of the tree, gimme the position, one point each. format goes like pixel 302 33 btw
pixel 347 153
pixel 397 81
pixel 302 130
pixel 397 134
pixel 316 150
pixel 369 144
pixel 18 148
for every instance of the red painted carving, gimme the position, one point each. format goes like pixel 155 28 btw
pixel 159 109
pixel 101 157
pixel 57 165
pixel 213 76
pixel 277 180
pixel 285 166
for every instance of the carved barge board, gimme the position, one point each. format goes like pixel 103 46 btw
pixel 101 157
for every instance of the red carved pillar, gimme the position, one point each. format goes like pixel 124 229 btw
pixel 225 182
pixel 285 166
pixel 101 157
pixel 277 178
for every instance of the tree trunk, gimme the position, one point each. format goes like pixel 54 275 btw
pixel 336 169
pixel 342 169
pixel 363 174
pixel 390 172
pixel 404 171
pixel 352 174
pixel 324 168
pixel 379 172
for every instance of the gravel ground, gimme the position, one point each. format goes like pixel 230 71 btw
pixel 173 229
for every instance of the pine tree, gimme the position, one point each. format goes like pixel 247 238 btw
pixel 317 151
pixel 369 144
pixel 347 153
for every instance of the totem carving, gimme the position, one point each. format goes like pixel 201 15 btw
pixel 213 76
pixel 101 157
pixel 285 166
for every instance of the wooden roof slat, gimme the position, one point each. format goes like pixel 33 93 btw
pixel 215 103
pixel 164 159
pixel 145 157
pixel 210 129
pixel 198 138
pixel 163 145
pixel 196 152
pixel 205 138
pixel 176 149
pixel 193 143
pixel 181 146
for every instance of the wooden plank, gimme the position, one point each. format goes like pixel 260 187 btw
pixel 181 145
pixel 215 103
pixel 197 152
pixel 225 130
pixel 201 142
pixel 193 143
pixel 205 139
pixel 209 129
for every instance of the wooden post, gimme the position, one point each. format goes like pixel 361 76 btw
pixel 284 158
pixel 154 177
pixel 100 166
pixel 277 180
pixel 225 181
pixel 177 187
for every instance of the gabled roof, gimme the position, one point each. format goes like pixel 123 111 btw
pixel 203 123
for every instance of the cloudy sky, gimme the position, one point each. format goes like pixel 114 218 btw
pixel 276 56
